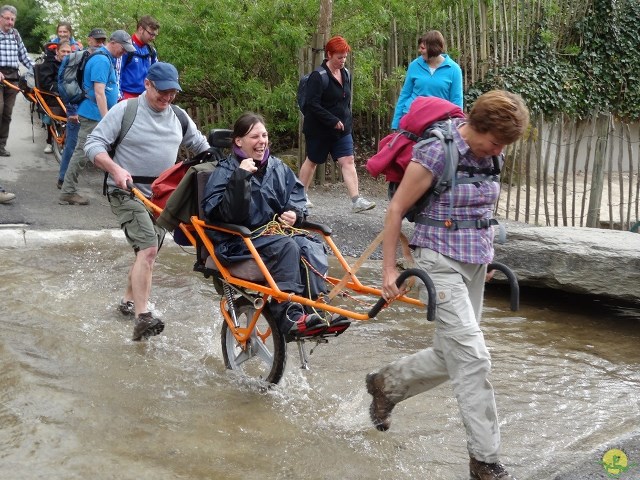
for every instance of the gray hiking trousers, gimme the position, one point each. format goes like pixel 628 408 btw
pixel 458 353
pixel 78 160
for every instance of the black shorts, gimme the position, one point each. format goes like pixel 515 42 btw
pixel 318 148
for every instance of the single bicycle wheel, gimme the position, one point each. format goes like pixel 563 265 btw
pixel 57 147
pixel 265 355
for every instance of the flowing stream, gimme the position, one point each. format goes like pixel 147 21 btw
pixel 79 400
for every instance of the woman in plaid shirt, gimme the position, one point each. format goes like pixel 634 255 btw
pixel 456 260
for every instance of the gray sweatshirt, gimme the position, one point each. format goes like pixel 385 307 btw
pixel 150 146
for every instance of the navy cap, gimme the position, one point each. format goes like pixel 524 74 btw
pixel 164 76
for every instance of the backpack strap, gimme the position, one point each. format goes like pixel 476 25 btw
pixel 153 54
pixel 128 117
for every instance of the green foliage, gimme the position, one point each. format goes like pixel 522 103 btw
pixel 602 75
pixel 243 54
pixel 27 23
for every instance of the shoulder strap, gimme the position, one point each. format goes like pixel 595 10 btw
pixel 130 112
pixel 129 116
pixel 182 116
pixel 448 177
pixel 323 75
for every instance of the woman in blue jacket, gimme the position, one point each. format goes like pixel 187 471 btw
pixel 432 74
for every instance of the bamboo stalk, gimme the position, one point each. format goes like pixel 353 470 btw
pixel 539 168
pixel 556 167
pixel 621 177
pixel 574 171
pixel 546 174
pixel 565 174
pixel 586 169
pixel 630 191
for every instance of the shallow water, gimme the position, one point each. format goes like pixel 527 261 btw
pixel 79 400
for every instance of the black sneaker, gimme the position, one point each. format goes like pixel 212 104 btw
pixel 381 407
pixel 488 471
pixel 307 325
pixel 146 326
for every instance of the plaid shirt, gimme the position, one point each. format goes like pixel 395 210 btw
pixel 12 50
pixel 470 202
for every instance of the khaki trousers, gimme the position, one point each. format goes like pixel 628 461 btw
pixel 458 353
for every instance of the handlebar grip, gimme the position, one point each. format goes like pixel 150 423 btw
pixel 428 283
pixel 514 288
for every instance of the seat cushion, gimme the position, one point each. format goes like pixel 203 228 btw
pixel 246 269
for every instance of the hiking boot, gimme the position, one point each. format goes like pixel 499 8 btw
pixel 59 184
pixel 381 407
pixel 146 326
pixel 48 149
pixel 72 199
pixel 6 197
pixel 361 205
pixel 488 471
pixel 307 325
pixel 4 152
pixel 127 308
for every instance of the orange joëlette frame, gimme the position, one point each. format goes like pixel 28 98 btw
pixel 39 96
pixel 353 284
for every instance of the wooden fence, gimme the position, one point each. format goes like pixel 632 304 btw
pixel 563 173
pixel 566 173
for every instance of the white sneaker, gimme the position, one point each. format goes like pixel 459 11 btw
pixel 6 197
pixel 48 149
pixel 309 204
pixel 362 204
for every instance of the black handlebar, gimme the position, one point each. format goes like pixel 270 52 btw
pixel 428 283
pixel 514 288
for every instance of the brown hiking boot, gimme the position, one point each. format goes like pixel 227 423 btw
pixel 146 326
pixel 488 471
pixel 381 406
pixel 72 199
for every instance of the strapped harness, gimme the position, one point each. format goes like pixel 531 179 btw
pixel 443 131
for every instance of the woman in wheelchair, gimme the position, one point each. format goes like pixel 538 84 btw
pixel 252 188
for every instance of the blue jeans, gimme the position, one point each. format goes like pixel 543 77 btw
pixel 70 142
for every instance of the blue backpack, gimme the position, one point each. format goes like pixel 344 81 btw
pixel 302 85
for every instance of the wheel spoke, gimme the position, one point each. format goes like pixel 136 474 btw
pixel 262 351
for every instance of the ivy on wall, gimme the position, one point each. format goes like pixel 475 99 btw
pixel 602 75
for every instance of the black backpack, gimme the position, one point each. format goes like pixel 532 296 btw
pixel 302 85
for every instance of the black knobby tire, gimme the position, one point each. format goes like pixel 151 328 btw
pixel 264 359
pixel 57 147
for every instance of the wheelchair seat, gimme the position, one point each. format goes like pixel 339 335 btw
pixel 246 269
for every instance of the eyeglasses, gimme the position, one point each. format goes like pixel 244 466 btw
pixel 164 93
pixel 151 34
pixel 9 19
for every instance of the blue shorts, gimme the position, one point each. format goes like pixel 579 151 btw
pixel 319 147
